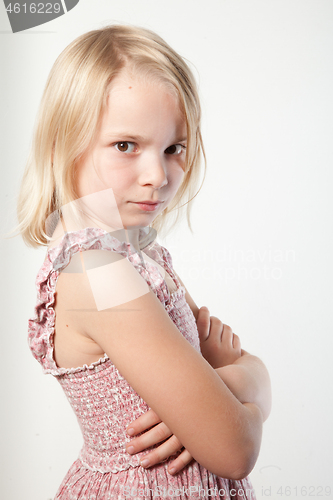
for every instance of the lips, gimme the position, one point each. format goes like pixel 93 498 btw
pixel 148 205
pixel 147 202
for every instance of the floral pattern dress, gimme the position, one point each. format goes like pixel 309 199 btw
pixel 102 399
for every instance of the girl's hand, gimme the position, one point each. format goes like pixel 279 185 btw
pixel 219 345
pixel 157 432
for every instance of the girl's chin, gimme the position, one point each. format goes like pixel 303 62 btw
pixel 138 224
pixel 139 220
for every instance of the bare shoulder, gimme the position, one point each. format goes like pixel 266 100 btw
pixel 74 300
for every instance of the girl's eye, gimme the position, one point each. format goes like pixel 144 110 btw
pixel 175 149
pixel 125 147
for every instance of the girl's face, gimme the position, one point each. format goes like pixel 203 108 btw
pixel 139 152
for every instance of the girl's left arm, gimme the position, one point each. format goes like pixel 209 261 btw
pixel 246 377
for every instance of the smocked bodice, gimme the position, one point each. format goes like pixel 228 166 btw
pixel 101 398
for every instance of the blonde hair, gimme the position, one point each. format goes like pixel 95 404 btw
pixel 73 102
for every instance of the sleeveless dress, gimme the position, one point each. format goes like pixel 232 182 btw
pixel 104 403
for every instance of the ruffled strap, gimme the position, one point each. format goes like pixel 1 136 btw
pixel 42 325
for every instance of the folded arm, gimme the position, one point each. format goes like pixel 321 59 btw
pixel 245 375
pixel 150 353
pixel 248 380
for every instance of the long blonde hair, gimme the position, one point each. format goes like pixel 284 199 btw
pixel 73 102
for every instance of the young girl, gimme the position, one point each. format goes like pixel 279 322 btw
pixel 116 150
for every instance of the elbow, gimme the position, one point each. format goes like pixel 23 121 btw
pixel 250 448
pixel 238 464
pixel 268 407
pixel 243 466
pixel 233 454
pixel 246 453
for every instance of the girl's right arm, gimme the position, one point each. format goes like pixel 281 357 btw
pixel 139 337
pixel 244 374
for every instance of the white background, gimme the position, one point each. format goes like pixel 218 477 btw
pixel 260 256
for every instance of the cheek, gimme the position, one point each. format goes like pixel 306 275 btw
pixel 176 178
pixel 84 178
pixel 121 181
pixel 115 175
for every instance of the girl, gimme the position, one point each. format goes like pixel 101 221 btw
pixel 116 149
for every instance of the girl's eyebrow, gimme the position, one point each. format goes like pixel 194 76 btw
pixel 125 135
pixel 134 138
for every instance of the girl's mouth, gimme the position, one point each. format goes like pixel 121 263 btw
pixel 147 206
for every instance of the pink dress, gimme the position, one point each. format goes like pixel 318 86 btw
pixel 105 403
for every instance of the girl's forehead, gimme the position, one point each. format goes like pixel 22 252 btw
pixel 132 97
pixel 127 80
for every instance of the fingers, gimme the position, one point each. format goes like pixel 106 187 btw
pixel 216 330
pixel 221 347
pixel 164 451
pixel 144 422
pixel 227 336
pixel 236 343
pixel 230 340
pixel 214 337
pixel 203 323
pixel 180 462
pixel 155 435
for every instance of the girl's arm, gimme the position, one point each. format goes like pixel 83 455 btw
pixel 244 374
pixel 249 381
pixel 243 383
pixel 168 373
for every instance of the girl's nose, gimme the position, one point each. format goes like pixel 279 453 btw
pixel 153 171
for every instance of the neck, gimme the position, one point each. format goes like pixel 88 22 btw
pixel 132 236
pixel 128 235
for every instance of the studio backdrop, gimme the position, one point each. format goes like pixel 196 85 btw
pixel 260 255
